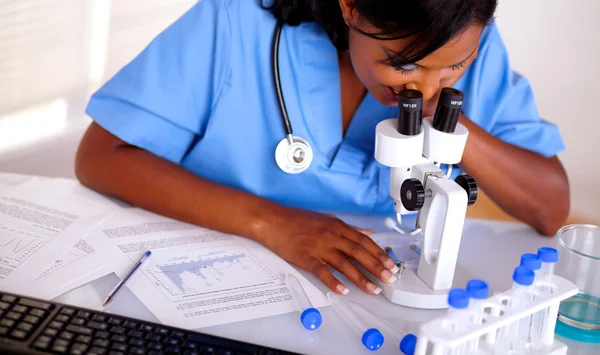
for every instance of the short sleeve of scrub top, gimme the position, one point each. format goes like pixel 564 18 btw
pixel 162 99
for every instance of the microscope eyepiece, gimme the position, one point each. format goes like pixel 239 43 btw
pixel 410 112
pixel 448 110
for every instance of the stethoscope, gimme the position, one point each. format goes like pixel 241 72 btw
pixel 293 154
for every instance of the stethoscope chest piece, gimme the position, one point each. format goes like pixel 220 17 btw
pixel 293 157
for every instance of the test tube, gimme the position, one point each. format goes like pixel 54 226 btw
pixel 479 292
pixel 549 257
pixel 520 293
pixel 458 312
pixel 310 317
pixel 371 338
pixel 540 325
pixel 534 262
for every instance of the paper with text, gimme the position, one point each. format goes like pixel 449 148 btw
pixel 36 226
pixel 196 277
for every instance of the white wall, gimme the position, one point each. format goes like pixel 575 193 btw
pixel 556 44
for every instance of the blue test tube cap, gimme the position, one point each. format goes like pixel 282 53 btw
pixel 532 261
pixel 408 344
pixel 548 255
pixel 458 298
pixel 372 339
pixel 478 289
pixel 523 275
pixel 311 318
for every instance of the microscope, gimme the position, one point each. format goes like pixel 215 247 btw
pixel 414 147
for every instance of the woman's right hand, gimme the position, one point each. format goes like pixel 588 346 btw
pixel 312 241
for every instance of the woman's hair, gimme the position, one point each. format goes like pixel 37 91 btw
pixel 431 23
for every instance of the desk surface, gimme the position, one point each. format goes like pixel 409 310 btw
pixel 489 250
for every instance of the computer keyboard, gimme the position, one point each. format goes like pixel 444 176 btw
pixel 32 326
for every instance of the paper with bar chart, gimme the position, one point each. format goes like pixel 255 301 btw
pixel 197 277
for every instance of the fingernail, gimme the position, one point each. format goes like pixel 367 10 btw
pixel 372 287
pixel 392 279
pixel 390 264
pixel 386 275
pixel 342 289
pixel 395 269
pixel 377 291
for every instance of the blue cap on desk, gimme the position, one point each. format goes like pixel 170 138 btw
pixel 548 255
pixel 532 261
pixel 408 344
pixel 311 318
pixel 458 298
pixel 478 289
pixel 523 275
pixel 372 339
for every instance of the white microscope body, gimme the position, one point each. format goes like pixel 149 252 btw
pixel 417 183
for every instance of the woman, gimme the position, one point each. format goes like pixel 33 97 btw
pixel 188 129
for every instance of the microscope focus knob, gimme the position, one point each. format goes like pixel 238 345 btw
pixel 412 194
pixel 468 183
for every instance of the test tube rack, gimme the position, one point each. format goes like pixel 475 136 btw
pixel 435 338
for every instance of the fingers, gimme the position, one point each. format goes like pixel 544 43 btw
pixel 359 253
pixel 320 270
pixel 341 263
pixel 370 246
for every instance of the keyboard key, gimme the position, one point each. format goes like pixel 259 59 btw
pixel 146 328
pixel 209 349
pixel 103 343
pixel 99 318
pixel 97 351
pixel 97 325
pixel 35 304
pixel 66 335
pixel 51 332
pixel 119 346
pixel 154 346
pixel 130 324
pixel 7 323
pixel 79 330
pixel 4 305
pixel 83 314
pixel 190 352
pixel 118 338
pixel 153 337
pixel 67 311
pixel 114 352
pixel 136 342
pixel 20 309
pixel 56 325
pixel 61 318
pixel 26 327
pixel 80 347
pixel 78 321
pixel 41 345
pixel 114 321
pixel 83 339
pixel 9 299
pixel 3 331
pixel 136 334
pixel 225 352
pixel 190 345
pixel 37 313
pixel 137 351
pixel 14 315
pixel 61 342
pixel 44 338
pixel 102 335
pixel 155 353
pixel 117 330
pixel 173 349
pixel 171 341
pixel 162 331
pixel 178 334
pixel 31 319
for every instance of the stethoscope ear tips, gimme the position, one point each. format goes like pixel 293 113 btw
pixel 295 157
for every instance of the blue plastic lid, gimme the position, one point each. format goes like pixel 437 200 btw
pixel 408 344
pixel 372 339
pixel 532 261
pixel 458 298
pixel 478 289
pixel 523 275
pixel 311 318
pixel 548 255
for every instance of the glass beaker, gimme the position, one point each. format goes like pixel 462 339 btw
pixel 579 262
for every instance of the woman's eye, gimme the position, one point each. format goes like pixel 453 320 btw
pixel 458 66
pixel 407 68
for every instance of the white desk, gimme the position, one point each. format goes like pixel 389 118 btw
pixel 489 251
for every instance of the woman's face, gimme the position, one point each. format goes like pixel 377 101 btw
pixel 442 68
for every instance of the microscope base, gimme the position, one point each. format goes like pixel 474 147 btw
pixel 409 290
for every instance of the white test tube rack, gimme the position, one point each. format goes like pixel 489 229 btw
pixel 434 337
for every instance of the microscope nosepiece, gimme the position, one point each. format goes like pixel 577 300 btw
pixel 448 110
pixel 410 112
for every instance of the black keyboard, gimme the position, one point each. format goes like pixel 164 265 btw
pixel 32 326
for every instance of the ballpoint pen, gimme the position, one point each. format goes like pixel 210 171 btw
pixel 122 283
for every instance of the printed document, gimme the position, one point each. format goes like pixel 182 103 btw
pixel 196 277
pixel 36 226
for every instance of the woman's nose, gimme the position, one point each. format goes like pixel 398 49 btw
pixel 428 85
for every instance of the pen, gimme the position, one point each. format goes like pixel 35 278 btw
pixel 122 283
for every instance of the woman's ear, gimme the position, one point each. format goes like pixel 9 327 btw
pixel 349 11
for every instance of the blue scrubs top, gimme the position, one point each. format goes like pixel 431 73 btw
pixel 202 95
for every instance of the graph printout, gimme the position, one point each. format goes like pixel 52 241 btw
pixel 197 277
